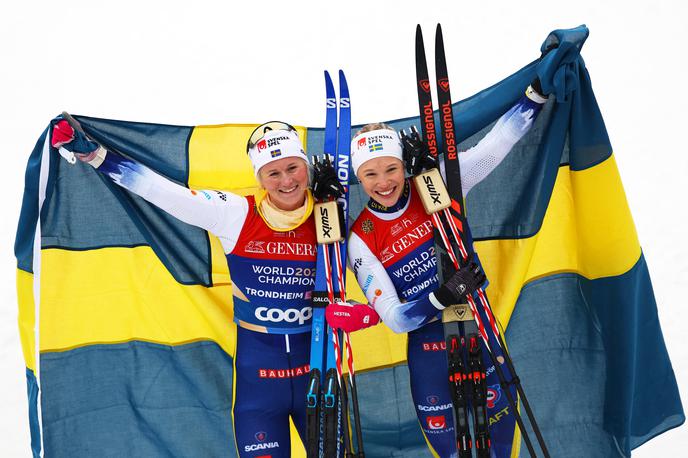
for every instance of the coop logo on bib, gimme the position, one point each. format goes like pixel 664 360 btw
pixel 288 315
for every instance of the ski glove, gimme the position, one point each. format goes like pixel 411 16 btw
pixel 535 85
pixel 325 183
pixel 416 155
pixel 351 317
pixel 465 281
pixel 64 135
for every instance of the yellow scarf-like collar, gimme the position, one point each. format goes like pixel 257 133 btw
pixel 283 220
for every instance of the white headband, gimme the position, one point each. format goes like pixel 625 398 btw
pixel 372 144
pixel 275 144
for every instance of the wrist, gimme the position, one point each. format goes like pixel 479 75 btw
pixel 441 298
pixel 95 158
pixel 535 96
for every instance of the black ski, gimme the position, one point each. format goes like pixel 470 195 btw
pixel 464 323
pixel 452 331
pixel 470 343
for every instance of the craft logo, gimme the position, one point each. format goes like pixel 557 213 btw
pixel 444 84
pixel 255 246
pixel 261 145
pixel 494 394
pixel 276 153
pixel 375 147
pixel 424 85
pixel 261 436
pixel 362 142
pixel 438 422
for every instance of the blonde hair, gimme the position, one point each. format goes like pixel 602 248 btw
pixel 374 126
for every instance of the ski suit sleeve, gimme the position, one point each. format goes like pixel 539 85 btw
pixel 479 161
pixel 218 212
pixel 381 293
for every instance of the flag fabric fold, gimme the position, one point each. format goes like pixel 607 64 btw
pixel 125 314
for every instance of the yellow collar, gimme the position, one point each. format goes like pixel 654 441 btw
pixel 283 220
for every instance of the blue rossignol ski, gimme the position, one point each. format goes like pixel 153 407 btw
pixel 327 404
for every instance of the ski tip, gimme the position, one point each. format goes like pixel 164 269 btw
pixel 439 41
pixel 328 81
pixel 341 76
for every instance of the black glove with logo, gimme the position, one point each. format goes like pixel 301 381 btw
pixel 325 182
pixel 416 155
pixel 465 281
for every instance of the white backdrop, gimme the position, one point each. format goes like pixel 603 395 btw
pixel 206 62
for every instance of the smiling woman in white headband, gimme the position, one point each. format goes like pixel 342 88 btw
pixel 269 243
pixel 391 248
pixel 281 167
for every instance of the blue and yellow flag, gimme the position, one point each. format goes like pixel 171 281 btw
pixel 125 313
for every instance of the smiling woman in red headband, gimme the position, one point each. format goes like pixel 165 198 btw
pixel 391 250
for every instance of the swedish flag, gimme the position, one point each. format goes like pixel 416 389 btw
pixel 373 147
pixel 129 342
